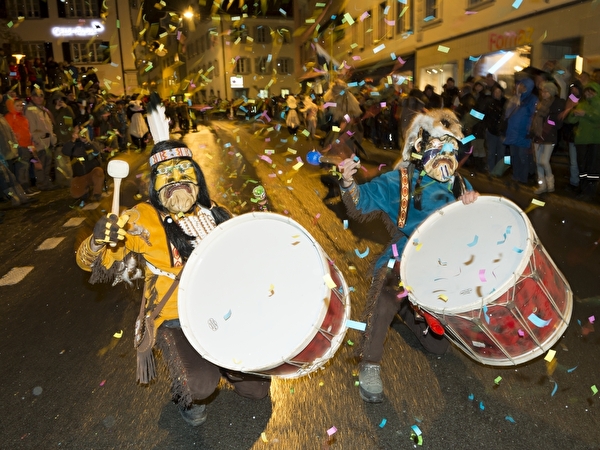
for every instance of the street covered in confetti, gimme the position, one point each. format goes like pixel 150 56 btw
pixel 68 363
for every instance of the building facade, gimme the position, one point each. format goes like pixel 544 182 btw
pixel 95 34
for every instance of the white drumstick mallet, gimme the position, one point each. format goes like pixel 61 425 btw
pixel 117 169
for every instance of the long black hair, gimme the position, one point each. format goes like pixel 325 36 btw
pixel 181 240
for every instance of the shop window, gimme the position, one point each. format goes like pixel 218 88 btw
pixel 284 66
pixel 261 65
pixel 405 17
pixel 262 35
pixel 242 66
pixel 84 52
pixel 76 9
pixel 30 9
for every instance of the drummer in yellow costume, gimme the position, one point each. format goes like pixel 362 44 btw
pixel 154 240
pixel 423 181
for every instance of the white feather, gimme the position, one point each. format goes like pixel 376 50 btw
pixel 158 123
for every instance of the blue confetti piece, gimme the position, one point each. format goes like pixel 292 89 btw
pixel 481 406
pixel 345 224
pixel 510 419
pixel 572 369
pixel 428 18
pixel 477 114
pixel 537 321
pixel 518 250
pixel 474 243
pixel 485 314
pixel 417 430
pixel 363 254
pixel 579 322
pixel 360 326
pixel 353 84
pixel 507 160
pixel 383 422
pixel 351 289
pixel 555 389
pixel 473 58
pixel 471 397
pixel 517 3
pixel 571 56
pixel 468 139
pixel 228 315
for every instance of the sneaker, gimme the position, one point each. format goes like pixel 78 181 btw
pixel 370 385
pixel 195 415
pixel 32 191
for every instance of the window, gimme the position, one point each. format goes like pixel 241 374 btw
pixel 263 35
pixel 431 10
pixel 284 66
pixel 404 21
pixel 261 65
pixel 239 33
pixel 216 67
pixel 367 21
pixel 242 65
pixel 285 35
pixel 475 4
pixel 89 52
pixel 30 9
pixel 32 49
pixel 78 8
pixel 382 25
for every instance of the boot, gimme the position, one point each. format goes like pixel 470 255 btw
pixel 550 183
pixel 542 187
pixel 12 195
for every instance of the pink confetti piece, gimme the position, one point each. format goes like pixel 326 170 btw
pixel 364 169
pixel 551 122
pixel 401 61
pixel 347 118
pixel 356 58
pixel 332 431
pixel 272 175
pixel 521 333
pixel 482 275
pixel 103 382
pixel 381 165
pixel 328 104
pixel 592 319
pixel 317 216
pixel 402 294
pixel 266 158
pixel 395 250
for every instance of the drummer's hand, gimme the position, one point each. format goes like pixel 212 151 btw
pixel 109 230
pixel 348 168
pixel 469 197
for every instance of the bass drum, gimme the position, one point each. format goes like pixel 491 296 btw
pixel 259 295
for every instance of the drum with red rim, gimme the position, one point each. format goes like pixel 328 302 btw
pixel 259 295
pixel 482 272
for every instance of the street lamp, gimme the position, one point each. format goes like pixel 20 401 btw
pixel 19 57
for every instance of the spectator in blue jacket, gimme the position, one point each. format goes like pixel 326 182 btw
pixel 519 114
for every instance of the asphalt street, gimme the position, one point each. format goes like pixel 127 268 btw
pixel 68 363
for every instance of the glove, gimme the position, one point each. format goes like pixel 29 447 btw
pixel 109 229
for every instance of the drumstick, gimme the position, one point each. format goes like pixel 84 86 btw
pixel 118 169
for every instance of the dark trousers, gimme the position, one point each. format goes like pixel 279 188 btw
pixel 386 308
pixel 195 379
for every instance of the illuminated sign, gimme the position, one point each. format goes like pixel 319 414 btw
pixel 510 39
pixel 92 30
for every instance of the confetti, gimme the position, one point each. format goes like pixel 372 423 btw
pixel 263 436
pixel 118 334
pixel 103 382
pixel 481 405
pixel 550 355
pixel 572 369
pixel 517 3
pixel 467 139
pixel 594 389
pixel 227 315
pixel 474 242
pixel 540 323
pixel 555 389
pixel 443 49
pixel 477 114
pixel 573 98
pixel 471 397
pixel 360 326
pixel 498 380
pixel 381 165
pixel 349 342
pixel 378 48
pixel 510 419
pixel 332 431
pixel 362 255
pixel 482 275
pixel 592 319
pixel 383 422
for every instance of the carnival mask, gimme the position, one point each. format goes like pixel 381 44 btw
pixel 177 185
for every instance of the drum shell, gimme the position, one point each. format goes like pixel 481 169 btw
pixel 505 326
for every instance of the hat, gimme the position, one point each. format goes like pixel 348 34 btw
pixel 551 88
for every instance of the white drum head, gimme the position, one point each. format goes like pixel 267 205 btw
pixel 253 293
pixel 464 256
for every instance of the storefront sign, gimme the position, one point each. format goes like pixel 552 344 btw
pixel 93 29
pixel 510 39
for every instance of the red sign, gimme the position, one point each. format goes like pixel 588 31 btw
pixel 510 39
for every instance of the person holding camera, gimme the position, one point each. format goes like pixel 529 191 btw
pixel 87 166
pixel 41 125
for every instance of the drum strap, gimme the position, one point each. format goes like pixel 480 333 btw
pixel 404 196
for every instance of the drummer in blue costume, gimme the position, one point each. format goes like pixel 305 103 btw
pixel 423 181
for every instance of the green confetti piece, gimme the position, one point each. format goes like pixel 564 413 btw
pixel 350 343
pixel 356 383
pixel 594 389
pixel 498 380
pixel 291 390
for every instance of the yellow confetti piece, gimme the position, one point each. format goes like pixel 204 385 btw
pixel 321 384
pixel 118 335
pixel 263 436
pixel 352 268
pixel 550 355
pixel 443 49
pixel 329 281
pixel 419 245
pixel 298 165
pixel 443 297
pixel 537 202
pixel 416 156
